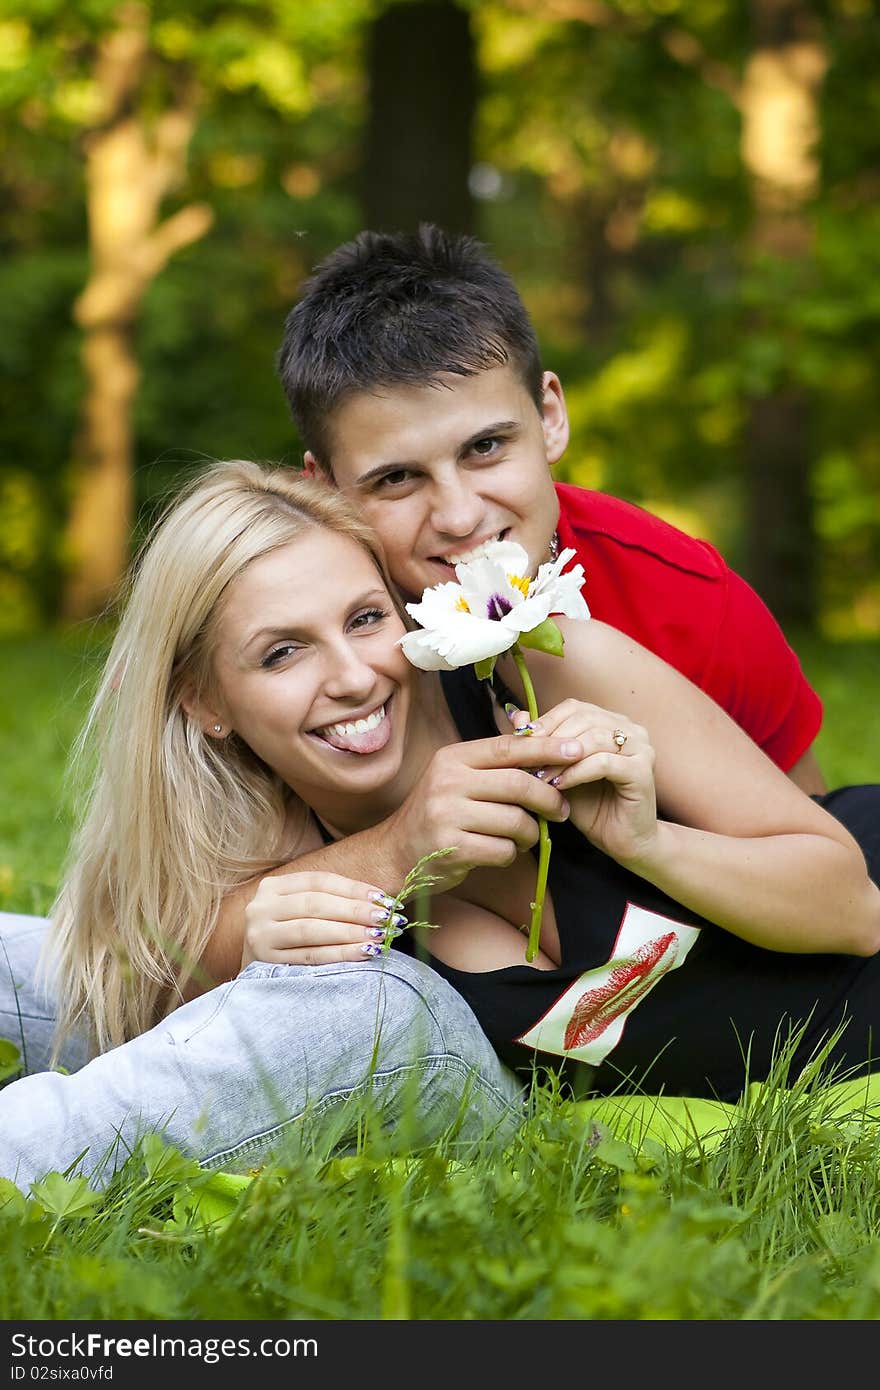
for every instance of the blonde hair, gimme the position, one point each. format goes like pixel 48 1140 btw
pixel 174 819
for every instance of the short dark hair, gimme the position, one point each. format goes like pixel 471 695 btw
pixel 394 309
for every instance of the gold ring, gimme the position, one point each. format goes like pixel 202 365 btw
pixel 619 738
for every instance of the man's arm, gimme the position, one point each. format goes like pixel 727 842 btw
pixel 807 774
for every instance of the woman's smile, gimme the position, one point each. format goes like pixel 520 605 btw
pixel 360 734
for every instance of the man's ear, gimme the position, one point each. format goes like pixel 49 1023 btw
pixel 313 469
pixel 554 418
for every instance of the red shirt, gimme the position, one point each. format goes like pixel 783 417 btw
pixel 676 596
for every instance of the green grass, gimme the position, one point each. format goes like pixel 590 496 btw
pixel 776 1216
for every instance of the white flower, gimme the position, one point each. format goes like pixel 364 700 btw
pixel 491 606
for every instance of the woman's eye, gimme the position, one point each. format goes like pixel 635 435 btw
pixel 370 616
pixel 277 655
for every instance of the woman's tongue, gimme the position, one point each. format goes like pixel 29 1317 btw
pixel 370 741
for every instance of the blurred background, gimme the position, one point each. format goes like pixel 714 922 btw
pixel 684 190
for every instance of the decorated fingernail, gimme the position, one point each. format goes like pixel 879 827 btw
pixel 540 773
pixel 524 730
pixel 377 933
pixel 387 917
pixel 510 710
pixel 554 781
pixel 382 898
pixel 371 949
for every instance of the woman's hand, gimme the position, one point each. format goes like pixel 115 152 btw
pixel 611 788
pixel 314 918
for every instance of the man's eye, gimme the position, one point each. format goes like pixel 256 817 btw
pixel 398 478
pixel 486 446
pixel 277 655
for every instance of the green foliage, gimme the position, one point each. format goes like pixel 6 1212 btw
pixel 612 188
pixel 10 1060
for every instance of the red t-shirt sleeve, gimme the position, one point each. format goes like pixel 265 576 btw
pixel 676 595
pixel 756 676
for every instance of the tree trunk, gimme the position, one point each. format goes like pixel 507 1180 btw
pixel 130 167
pixel 780 123
pixel 418 146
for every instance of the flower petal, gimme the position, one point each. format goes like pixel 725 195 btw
pixel 509 556
pixel 483 579
pixel 564 590
pixel 420 650
pixel 437 605
pixel 475 640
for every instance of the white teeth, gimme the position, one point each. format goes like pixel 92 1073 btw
pixel 476 554
pixel 359 726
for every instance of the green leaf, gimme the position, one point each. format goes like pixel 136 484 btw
pixel 12 1200
pixel 485 668
pixel 65 1196
pixel 10 1059
pixel 164 1163
pixel 208 1205
pixel 616 1154
pixel 546 637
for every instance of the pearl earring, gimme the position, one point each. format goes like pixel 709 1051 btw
pixel 218 728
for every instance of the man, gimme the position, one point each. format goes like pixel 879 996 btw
pixel 412 371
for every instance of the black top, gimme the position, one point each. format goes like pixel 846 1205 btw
pixel 649 992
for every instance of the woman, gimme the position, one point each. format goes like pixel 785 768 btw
pixel 253 713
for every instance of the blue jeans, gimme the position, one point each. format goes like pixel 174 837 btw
pixel 282 1055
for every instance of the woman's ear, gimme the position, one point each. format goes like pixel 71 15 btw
pixel 203 713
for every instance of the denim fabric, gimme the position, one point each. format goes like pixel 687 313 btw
pixel 27 1014
pixel 280 1055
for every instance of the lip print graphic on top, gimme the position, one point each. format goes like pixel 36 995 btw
pixel 588 1019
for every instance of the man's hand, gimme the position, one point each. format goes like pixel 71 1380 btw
pixel 480 799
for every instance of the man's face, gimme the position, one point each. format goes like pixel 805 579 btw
pixel 441 470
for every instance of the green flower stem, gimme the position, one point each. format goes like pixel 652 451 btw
pixel 543 832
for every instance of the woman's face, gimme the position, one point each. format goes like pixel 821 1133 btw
pixel 308 668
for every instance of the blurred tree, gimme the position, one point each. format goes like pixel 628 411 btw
pixel 779 101
pixel 134 159
pixel 418 138
pixel 121 91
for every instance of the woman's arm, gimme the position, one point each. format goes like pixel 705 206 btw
pixel 473 797
pixel 739 842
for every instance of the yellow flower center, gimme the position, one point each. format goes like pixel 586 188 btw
pixel 461 605
pixel 521 582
